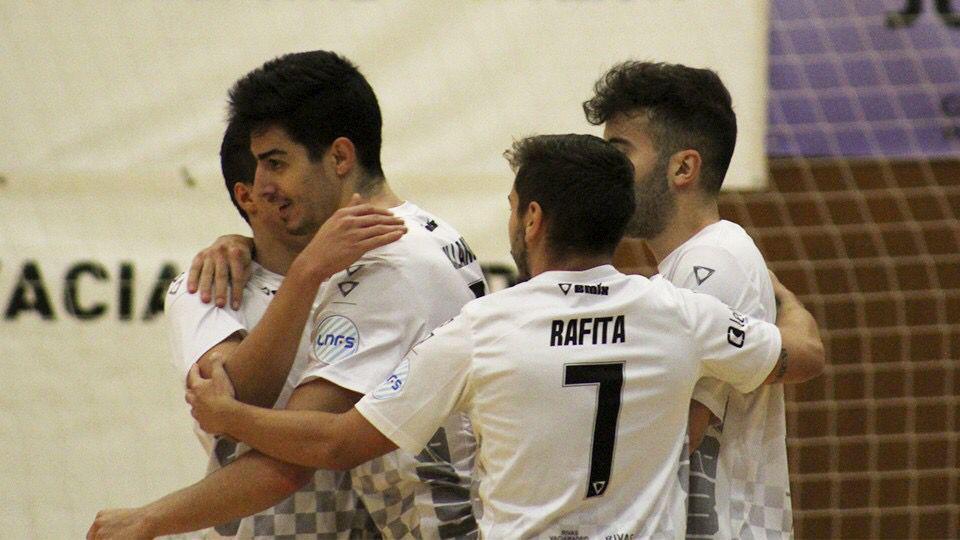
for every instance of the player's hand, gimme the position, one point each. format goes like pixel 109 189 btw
pixel 119 523
pixel 225 262
pixel 210 399
pixel 349 233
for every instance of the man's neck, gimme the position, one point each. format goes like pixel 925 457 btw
pixel 691 217
pixel 381 196
pixel 577 263
pixel 274 255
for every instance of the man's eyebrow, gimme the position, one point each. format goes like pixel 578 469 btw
pixel 269 153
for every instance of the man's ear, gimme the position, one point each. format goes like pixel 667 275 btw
pixel 243 194
pixel 533 225
pixel 684 168
pixel 344 156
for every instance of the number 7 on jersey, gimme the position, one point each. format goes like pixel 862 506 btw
pixel 609 377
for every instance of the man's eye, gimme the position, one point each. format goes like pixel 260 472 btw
pixel 274 165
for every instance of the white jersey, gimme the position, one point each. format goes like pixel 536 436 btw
pixel 324 508
pixel 739 484
pixel 365 320
pixel 577 385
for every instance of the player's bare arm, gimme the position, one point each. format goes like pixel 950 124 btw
pixel 310 438
pixel 252 483
pixel 246 486
pixel 259 364
pixel 802 355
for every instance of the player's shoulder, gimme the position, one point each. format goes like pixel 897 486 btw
pixel 260 287
pixel 429 242
pixel 724 239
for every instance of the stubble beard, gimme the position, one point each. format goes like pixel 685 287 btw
pixel 656 205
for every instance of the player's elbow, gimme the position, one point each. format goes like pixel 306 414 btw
pixel 336 456
pixel 812 361
pixel 293 478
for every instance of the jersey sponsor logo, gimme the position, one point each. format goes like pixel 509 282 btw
pixel 736 337
pixel 459 253
pixel 736 334
pixel 394 383
pixel 268 291
pixel 588 331
pixel 347 287
pixel 701 273
pixel 569 534
pixel 335 338
pixel 598 289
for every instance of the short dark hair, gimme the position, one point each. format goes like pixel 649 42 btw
pixel 687 108
pixel 584 186
pixel 236 161
pixel 316 97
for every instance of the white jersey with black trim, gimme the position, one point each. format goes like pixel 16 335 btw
pixel 577 385
pixel 324 508
pixel 739 482
pixel 365 320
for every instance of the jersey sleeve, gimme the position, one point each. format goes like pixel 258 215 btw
pixel 733 348
pixel 715 271
pixel 195 327
pixel 364 322
pixel 427 387
pixel 712 394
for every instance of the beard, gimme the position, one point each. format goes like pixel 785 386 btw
pixel 656 204
pixel 518 250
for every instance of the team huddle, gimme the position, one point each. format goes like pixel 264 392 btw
pixel 339 397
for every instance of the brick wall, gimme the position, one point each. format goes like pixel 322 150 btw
pixel 873 249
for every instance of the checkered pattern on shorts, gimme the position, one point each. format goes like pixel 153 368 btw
pixel 763 512
pixel 324 509
pixel 388 497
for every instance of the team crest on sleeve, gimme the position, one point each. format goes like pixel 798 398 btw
pixel 394 383
pixel 334 338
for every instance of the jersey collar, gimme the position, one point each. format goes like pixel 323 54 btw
pixel 597 273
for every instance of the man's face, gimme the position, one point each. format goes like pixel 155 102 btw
pixel 303 193
pixel 518 243
pixel 656 203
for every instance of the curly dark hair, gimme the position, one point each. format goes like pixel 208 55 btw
pixel 316 97
pixel 688 108
pixel 584 186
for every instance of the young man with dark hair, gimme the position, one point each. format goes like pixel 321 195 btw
pixel 313 124
pixel 576 381
pixel 677 126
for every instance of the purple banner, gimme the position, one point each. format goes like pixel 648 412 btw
pixel 864 78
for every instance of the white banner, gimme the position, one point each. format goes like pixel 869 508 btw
pixel 109 181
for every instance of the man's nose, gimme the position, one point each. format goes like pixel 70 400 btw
pixel 264 187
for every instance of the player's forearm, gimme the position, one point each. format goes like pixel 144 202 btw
pixel 252 483
pixel 308 438
pixel 260 364
pixel 802 355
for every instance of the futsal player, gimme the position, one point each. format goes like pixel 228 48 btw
pixel 315 130
pixel 577 382
pixel 677 126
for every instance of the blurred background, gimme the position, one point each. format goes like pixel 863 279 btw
pixel 847 174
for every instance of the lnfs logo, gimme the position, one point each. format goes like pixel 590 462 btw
pixel 334 338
